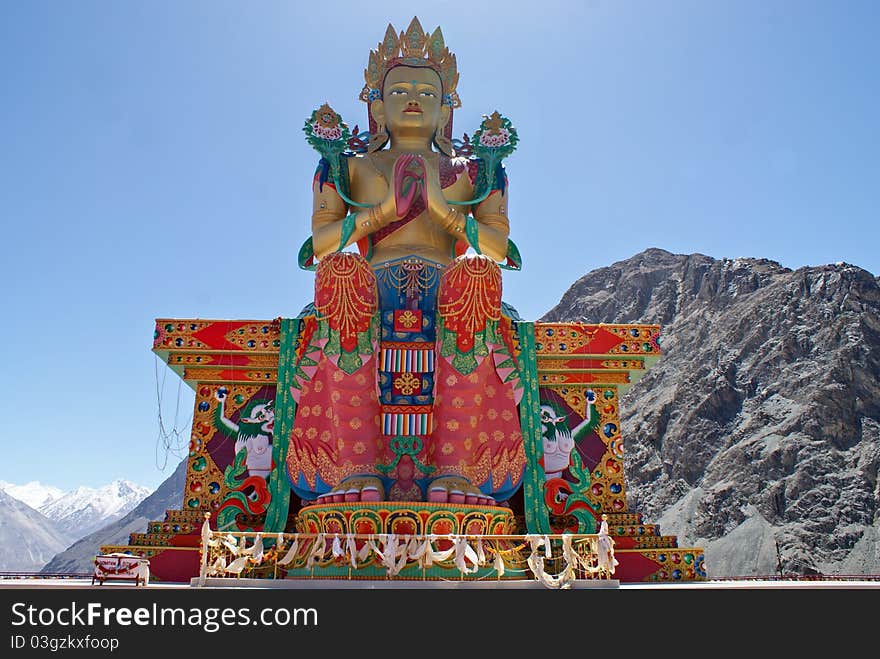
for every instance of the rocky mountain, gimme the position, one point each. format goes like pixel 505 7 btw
pixel 759 429
pixel 85 509
pixel 28 539
pixel 34 494
pixel 80 556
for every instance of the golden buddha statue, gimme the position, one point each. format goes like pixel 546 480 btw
pixel 407 387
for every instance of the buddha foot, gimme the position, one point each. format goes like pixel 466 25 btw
pixel 456 489
pixel 356 488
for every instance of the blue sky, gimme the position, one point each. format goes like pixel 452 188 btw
pixel 152 164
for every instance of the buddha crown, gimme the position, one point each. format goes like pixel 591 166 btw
pixel 411 48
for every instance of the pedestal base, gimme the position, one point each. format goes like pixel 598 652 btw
pixel 405 518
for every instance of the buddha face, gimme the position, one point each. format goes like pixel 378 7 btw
pixel 411 103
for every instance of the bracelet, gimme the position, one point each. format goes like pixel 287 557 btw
pixel 375 218
pixel 472 233
pixel 378 218
pixel 453 221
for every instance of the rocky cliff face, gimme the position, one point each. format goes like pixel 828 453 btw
pixel 760 425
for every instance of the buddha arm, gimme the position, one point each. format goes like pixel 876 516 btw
pixel 329 213
pixel 493 225
pixel 490 215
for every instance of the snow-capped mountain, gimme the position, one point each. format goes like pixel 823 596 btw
pixel 79 556
pixel 37 521
pixel 28 539
pixel 86 509
pixel 34 494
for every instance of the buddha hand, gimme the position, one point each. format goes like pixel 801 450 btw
pixel 409 182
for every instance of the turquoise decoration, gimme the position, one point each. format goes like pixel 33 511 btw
pixel 233 477
pixel 306 256
pixel 347 230
pixel 577 503
pixel 494 140
pixel 472 233
pixel 537 518
pixel 328 135
pixel 410 445
pixel 279 504
pixel 513 261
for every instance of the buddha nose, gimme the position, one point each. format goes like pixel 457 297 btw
pixel 412 104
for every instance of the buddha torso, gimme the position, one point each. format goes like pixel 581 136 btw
pixel 370 176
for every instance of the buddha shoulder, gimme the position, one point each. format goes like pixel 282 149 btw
pixel 365 167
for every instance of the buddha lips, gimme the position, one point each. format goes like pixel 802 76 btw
pixel 409 183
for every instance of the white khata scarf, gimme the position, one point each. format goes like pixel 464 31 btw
pixel 291 553
pixel 317 551
pixel 536 563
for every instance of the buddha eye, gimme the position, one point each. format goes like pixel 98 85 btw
pixel 428 93
pixel 398 91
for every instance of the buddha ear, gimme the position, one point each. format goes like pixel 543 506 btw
pixel 377 111
pixel 444 143
pixel 380 139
